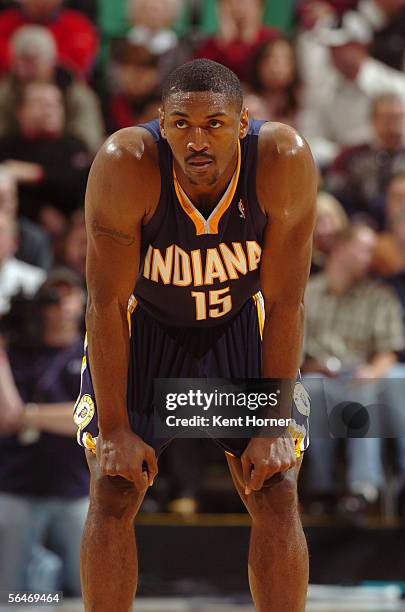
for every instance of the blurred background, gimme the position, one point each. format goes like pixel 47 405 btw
pixel 71 73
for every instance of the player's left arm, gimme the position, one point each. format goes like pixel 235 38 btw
pixel 286 188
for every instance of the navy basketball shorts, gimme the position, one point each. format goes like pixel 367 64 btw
pixel 232 350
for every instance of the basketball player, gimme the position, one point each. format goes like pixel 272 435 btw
pixel 188 218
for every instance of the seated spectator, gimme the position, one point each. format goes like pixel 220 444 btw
pixel 141 61
pixel 33 241
pixel 76 37
pixel 339 91
pixel 359 176
pixel 390 253
pixel 310 12
pixel 15 275
pixel 44 479
pixel 353 330
pixel 50 166
pixel 386 20
pixel 136 87
pixel 240 33
pixel 275 79
pixel 74 247
pixel 33 59
pixel 152 23
pixel 331 221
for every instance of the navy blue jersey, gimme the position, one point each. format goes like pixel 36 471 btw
pixel 196 271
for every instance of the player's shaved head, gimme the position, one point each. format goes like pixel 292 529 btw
pixel 204 75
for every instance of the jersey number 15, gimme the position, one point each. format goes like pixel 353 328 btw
pixel 220 303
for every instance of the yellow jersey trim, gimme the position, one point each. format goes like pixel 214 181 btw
pixel 210 225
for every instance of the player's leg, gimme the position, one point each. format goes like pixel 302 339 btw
pixel 109 567
pixel 278 554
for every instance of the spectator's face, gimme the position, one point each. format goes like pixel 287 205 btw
pixel 137 81
pixel 38 9
pixel 42 111
pixel 348 59
pixel 65 314
pixel 202 129
pixel 277 66
pixel 75 249
pixel 8 195
pixel 8 241
pixel 327 227
pixel 257 107
pixel 32 65
pixel 389 123
pixel 243 13
pixel 396 207
pixel 358 253
pixel 155 14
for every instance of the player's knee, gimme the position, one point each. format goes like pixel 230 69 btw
pixel 274 507
pixel 115 497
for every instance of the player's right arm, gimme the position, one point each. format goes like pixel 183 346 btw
pixel 123 188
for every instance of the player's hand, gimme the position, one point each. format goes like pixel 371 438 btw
pixel 123 453
pixel 265 457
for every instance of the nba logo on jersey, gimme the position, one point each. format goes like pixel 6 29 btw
pixel 241 207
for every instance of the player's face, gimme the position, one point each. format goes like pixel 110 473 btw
pixel 202 129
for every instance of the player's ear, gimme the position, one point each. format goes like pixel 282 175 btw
pixel 244 123
pixel 162 122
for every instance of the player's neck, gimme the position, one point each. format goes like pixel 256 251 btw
pixel 206 197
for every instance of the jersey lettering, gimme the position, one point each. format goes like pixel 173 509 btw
pixel 176 266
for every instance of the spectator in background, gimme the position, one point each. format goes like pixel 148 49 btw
pixel 75 36
pixel 33 241
pixel 390 253
pixel 141 61
pixel 386 21
pixel 33 58
pixel 74 247
pixel 331 222
pixel 152 23
pixel 339 93
pixel 239 35
pixel 135 88
pixel 353 330
pixel 360 175
pixel 15 275
pixel 50 166
pixel 275 79
pixel 44 478
pixel 310 12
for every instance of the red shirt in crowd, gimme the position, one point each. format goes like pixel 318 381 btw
pixel 237 54
pixel 75 36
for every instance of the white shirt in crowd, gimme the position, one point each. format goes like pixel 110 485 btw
pixel 15 276
pixel 336 111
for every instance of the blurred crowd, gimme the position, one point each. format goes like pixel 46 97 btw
pixel 72 72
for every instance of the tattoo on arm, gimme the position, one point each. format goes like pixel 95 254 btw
pixel 117 235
